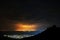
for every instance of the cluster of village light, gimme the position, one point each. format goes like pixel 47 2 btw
pixel 17 36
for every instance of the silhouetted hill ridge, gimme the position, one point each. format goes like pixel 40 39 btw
pixel 51 33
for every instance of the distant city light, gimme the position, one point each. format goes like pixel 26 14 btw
pixel 26 27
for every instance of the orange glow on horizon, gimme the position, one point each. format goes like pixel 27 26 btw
pixel 25 27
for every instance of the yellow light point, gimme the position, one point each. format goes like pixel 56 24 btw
pixel 25 27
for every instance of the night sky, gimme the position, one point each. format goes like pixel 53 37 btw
pixel 42 11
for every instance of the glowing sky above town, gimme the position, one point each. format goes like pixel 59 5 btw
pixel 26 27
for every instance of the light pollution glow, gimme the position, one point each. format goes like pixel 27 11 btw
pixel 26 27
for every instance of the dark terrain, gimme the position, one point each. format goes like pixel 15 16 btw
pixel 52 33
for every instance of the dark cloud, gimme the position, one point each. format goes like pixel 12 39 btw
pixel 37 11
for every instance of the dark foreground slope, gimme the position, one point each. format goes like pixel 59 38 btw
pixel 52 33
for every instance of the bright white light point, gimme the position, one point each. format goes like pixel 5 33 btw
pixel 17 36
